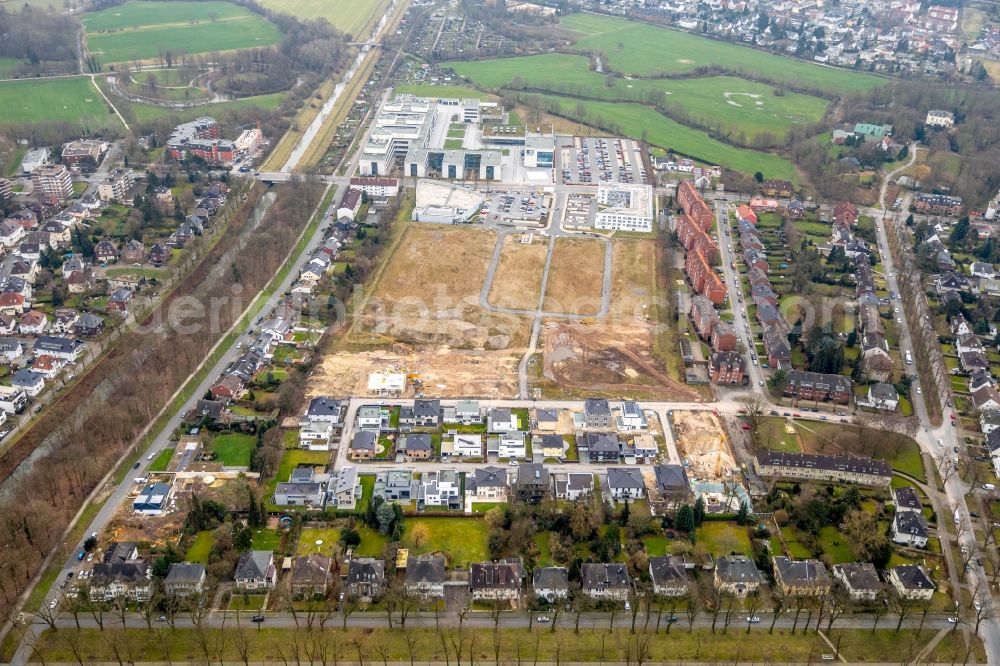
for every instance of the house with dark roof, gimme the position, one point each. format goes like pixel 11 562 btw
pixel 626 483
pixel 495 580
pixel 906 499
pixel 550 583
pixel 605 581
pixel 184 579
pixel 310 575
pixel 256 571
pixel 818 386
pixel 599 447
pixel 815 467
pixel 801 578
pixel 737 575
pixel 596 413
pixel 672 485
pixel 128 580
pixel 488 483
pixel 364 444
pixel 365 578
pixel 326 409
pixel 860 580
pixel 911 581
pixel 909 529
pixel 416 446
pixel 425 576
pixel 531 482
pixel 669 576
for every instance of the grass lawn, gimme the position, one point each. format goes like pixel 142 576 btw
pixel 266 539
pixel 484 507
pixel 200 548
pixel 161 461
pixel 309 537
pixel 724 102
pixel 835 545
pixel 269 644
pixel 72 100
pixel 234 449
pixel 724 538
pixel 248 602
pixel 654 545
pixel 646 50
pixel 367 482
pixel 462 540
pixel 142 29
pixel 637 120
pixel 773 435
pixel 372 543
pixel 542 540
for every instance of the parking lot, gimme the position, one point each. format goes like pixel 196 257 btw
pixel 516 208
pixel 600 160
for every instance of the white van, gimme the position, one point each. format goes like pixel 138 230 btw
pixel 989 486
pixel 909 358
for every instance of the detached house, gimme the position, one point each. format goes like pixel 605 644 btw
pixel 669 576
pixel 310 575
pixel 909 529
pixel 495 580
pixel 184 579
pixel 859 579
pixel 910 581
pixel 256 571
pixel 626 483
pixel 605 581
pixel 550 583
pixel 737 574
pixel 425 576
pixel 597 413
pixel 365 578
pixel 807 578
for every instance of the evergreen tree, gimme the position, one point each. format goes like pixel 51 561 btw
pixel 685 519
pixel 699 511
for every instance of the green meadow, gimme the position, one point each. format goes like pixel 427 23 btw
pixel 142 29
pixel 643 49
pixel 725 103
pixel 640 121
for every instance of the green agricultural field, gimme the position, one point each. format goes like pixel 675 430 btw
pixel 462 540
pixel 639 121
pixel 642 49
pixel 726 103
pixel 355 17
pixel 71 100
pixel 142 29
pixel 7 66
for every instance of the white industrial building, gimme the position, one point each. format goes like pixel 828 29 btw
pixel 624 207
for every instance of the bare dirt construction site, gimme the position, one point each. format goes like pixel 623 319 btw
pixel 575 277
pixel 618 354
pixel 443 372
pixel 518 278
pixel 634 290
pixel 596 359
pixel 428 292
pixel 423 319
pixel 703 445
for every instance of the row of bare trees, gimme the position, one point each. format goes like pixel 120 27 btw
pixel 79 439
